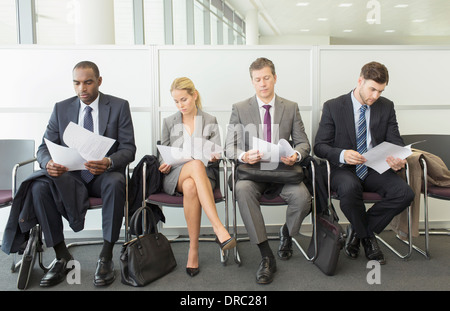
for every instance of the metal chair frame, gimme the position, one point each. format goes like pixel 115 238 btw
pixel 426 194
pixel 37 249
pixel 237 257
pixel 410 244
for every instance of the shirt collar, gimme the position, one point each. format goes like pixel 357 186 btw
pixel 261 103
pixel 356 104
pixel 93 105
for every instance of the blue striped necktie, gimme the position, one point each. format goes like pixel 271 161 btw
pixel 361 141
pixel 88 124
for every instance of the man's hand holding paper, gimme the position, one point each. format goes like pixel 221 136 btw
pixel 86 150
pixel 387 155
pixel 275 153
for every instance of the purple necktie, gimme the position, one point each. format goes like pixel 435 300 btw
pixel 267 124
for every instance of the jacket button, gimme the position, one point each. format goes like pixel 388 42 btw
pixel 22 220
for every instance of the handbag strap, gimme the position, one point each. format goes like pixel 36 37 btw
pixel 143 210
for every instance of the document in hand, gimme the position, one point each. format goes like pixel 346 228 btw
pixel 272 152
pixel 201 149
pixel 376 157
pixel 83 146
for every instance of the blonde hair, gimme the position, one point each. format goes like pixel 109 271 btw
pixel 186 84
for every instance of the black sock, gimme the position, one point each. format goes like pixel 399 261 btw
pixel 265 249
pixel 285 230
pixel 107 249
pixel 62 251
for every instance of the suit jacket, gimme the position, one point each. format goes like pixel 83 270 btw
pixel 337 127
pixel 245 123
pixel 114 122
pixel 71 196
pixel 206 127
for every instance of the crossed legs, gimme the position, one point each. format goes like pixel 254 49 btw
pixel 197 195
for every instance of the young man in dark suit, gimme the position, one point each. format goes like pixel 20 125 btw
pixel 354 121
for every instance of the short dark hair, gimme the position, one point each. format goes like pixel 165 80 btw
pixel 88 64
pixel 376 72
pixel 261 63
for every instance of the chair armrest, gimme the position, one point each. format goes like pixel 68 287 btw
pixel 14 173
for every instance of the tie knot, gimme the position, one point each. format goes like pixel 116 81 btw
pixel 267 107
pixel 88 109
pixel 363 108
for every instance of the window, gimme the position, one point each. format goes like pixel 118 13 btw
pixel 8 29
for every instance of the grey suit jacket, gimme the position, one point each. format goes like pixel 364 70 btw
pixel 114 122
pixel 206 127
pixel 337 127
pixel 245 123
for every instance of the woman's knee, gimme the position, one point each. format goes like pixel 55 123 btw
pixel 189 188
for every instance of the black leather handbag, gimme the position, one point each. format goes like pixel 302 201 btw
pixel 283 174
pixel 147 257
pixel 330 240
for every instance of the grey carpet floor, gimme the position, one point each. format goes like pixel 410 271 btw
pixel 297 274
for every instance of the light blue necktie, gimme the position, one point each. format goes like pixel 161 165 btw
pixel 361 141
pixel 88 124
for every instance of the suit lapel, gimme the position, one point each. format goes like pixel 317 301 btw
pixel 349 119
pixel 253 110
pixel 375 113
pixel 279 110
pixel 73 110
pixel 176 132
pixel 103 113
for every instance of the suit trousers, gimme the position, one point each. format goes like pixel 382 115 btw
pixel 248 193
pixel 110 186
pixel 395 192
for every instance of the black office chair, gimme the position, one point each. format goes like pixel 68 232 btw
pixel 276 201
pixel 14 154
pixel 163 199
pixel 438 145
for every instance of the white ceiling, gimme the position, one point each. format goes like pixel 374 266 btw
pixel 345 21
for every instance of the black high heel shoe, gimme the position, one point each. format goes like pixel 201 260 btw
pixel 228 244
pixel 192 271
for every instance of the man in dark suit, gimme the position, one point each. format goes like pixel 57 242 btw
pixel 336 140
pixel 247 121
pixel 110 117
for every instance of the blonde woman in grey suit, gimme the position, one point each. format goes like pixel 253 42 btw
pixel 193 179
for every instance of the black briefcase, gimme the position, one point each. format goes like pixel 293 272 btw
pixel 330 240
pixel 282 174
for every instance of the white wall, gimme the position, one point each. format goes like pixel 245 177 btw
pixel 34 78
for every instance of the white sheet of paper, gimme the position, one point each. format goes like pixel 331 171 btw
pixel 68 157
pixel 203 151
pixel 91 146
pixel 272 152
pixel 376 157
pixel 172 155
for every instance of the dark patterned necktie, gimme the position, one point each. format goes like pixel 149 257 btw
pixel 89 125
pixel 361 141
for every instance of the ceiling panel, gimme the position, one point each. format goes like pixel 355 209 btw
pixel 396 21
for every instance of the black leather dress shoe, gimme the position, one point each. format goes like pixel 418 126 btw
pixel 372 249
pixel 266 269
pixel 285 248
pixel 56 274
pixel 104 273
pixel 352 243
